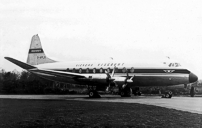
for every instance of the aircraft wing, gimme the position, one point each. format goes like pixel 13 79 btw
pixel 45 72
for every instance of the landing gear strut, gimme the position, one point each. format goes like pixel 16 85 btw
pixel 192 93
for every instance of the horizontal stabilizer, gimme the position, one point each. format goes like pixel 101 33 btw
pixel 20 64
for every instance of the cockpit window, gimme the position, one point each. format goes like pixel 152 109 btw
pixel 174 65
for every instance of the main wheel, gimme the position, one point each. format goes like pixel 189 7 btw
pixel 91 94
pixel 122 94
pixel 94 94
pixel 125 93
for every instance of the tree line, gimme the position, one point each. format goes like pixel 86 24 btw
pixel 24 82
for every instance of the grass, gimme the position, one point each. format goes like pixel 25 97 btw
pixel 60 113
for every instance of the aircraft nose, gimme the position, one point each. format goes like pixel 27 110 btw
pixel 192 78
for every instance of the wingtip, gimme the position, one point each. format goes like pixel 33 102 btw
pixel 19 63
pixel 6 58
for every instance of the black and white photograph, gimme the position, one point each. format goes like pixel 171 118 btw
pixel 100 64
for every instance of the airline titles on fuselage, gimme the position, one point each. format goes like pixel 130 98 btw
pixel 101 70
pixel 102 64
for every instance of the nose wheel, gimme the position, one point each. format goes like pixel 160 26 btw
pixel 192 92
pixel 167 95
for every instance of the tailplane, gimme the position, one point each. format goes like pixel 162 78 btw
pixel 20 64
pixel 36 54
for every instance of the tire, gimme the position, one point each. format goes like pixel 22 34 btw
pixel 122 94
pixel 139 93
pixel 91 94
pixel 167 95
pixel 94 94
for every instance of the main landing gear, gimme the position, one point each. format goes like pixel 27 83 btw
pixel 136 91
pixel 93 92
pixel 168 94
pixel 125 92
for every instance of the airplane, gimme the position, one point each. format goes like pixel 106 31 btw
pixel 101 75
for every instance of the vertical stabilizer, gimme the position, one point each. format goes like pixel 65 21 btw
pixel 36 54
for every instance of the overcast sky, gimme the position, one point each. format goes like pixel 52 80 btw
pixel 100 29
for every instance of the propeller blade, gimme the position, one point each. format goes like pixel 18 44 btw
pixel 127 73
pixel 113 71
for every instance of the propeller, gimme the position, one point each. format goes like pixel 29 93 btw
pixel 109 79
pixel 127 80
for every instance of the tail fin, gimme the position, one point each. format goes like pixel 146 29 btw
pixel 36 54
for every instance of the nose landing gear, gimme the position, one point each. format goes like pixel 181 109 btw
pixel 167 95
pixel 192 92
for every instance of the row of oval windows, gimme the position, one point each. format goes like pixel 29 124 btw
pixel 101 70
pixel 109 64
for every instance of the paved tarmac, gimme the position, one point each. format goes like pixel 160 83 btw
pixel 189 104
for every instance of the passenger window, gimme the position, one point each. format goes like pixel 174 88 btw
pixel 94 70
pixel 108 70
pixel 86 64
pixel 115 64
pixel 91 64
pixel 80 70
pixel 132 70
pixel 118 64
pixel 73 70
pixel 87 70
pixel 104 64
pixel 101 70
pixel 108 64
pixel 124 70
pixel 67 70
pixel 98 64
pixel 116 70
pixel 112 64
